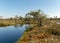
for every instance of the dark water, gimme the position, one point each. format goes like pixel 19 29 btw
pixel 11 34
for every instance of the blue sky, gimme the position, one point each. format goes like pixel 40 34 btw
pixel 10 8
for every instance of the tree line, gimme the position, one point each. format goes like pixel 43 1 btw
pixel 32 17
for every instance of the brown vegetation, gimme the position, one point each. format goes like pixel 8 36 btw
pixel 44 31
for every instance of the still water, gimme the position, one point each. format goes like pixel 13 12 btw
pixel 11 34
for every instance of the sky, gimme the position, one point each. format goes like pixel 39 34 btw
pixel 10 8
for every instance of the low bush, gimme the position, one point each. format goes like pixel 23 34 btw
pixel 53 31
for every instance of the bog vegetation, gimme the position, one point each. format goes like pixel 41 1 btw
pixel 40 27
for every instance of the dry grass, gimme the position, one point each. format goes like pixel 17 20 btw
pixel 44 34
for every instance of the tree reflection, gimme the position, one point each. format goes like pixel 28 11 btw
pixel 18 25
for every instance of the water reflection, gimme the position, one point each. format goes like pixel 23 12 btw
pixel 20 25
pixel 11 34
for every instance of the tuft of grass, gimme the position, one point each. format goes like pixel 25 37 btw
pixel 28 29
pixel 53 31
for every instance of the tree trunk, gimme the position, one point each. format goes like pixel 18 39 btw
pixel 39 22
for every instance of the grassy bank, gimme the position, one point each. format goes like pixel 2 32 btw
pixel 8 22
pixel 43 34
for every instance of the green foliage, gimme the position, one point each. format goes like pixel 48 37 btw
pixel 38 16
pixel 20 17
pixel 11 18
